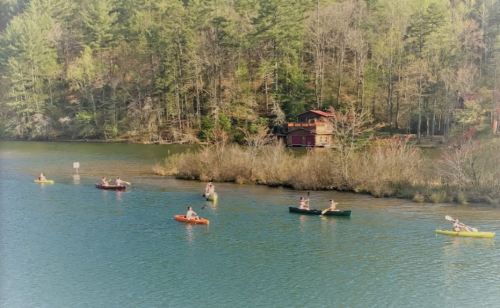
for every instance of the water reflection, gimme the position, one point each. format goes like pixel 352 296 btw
pixel 209 203
pixel 457 243
pixel 329 224
pixel 302 222
pixel 76 179
pixel 190 232
pixel 119 195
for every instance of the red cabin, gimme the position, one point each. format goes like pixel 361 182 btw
pixel 310 130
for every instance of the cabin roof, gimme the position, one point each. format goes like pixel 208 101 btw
pixel 321 113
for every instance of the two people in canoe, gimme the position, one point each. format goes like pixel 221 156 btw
pixel 118 181
pixel 304 204
pixel 209 189
pixel 41 177
pixel 191 214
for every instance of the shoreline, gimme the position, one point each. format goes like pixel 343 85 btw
pixel 426 142
pixel 419 199
pixel 422 191
pixel 103 141
pixel 390 169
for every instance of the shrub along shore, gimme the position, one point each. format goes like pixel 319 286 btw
pixel 468 171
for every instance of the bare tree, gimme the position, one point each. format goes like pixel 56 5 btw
pixel 416 76
pixel 459 162
pixel 255 143
pixel 348 126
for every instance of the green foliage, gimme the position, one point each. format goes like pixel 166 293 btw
pixel 111 131
pixel 224 122
pixel 206 127
pixel 29 60
pixel 472 116
pixel 98 21
pixel 150 69
pixel 5 133
pixel 422 25
pixel 84 125
pixel 254 127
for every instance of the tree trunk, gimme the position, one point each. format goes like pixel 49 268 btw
pixel 396 120
pixel 389 100
pixel 341 68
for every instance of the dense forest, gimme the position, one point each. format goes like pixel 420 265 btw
pixel 171 70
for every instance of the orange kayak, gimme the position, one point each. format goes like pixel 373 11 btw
pixel 183 218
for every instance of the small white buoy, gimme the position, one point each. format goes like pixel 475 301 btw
pixel 76 165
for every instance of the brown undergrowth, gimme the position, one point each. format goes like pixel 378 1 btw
pixel 376 170
pixel 386 168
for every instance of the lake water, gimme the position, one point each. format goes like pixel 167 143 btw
pixel 71 245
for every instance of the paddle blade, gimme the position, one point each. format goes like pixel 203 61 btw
pixel 448 218
pixel 324 211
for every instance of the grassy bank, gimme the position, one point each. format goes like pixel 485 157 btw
pixel 385 168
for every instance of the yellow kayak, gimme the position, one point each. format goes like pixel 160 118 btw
pixel 46 181
pixel 471 234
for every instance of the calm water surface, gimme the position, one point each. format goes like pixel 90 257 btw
pixel 72 245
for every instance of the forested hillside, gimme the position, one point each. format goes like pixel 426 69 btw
pixel 170 70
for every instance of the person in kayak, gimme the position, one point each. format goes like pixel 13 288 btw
pixel 104 182
pixel 41 177
pixel 303 204
pixel 191 214
pixel 118 182
pixel 211 190
pixel 332 205
pixel 207 188
pixel 459 227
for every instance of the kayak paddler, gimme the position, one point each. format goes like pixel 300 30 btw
pixel 303 203
pixel 104 182
pixel 119 182
pixel 460 227
pixel 332 205
pixel 41 177
pixel 207 189
pixel 191 214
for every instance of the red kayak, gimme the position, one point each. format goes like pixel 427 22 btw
pixel 183 218
pixel 110 187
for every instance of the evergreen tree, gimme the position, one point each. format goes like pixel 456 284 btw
pixel 29 59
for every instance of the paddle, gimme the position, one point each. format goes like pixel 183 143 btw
pixel 324 211
pixel 451 219
pixel 128 183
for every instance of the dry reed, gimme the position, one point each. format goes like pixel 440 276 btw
pixel 378 170
pixel 388 167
